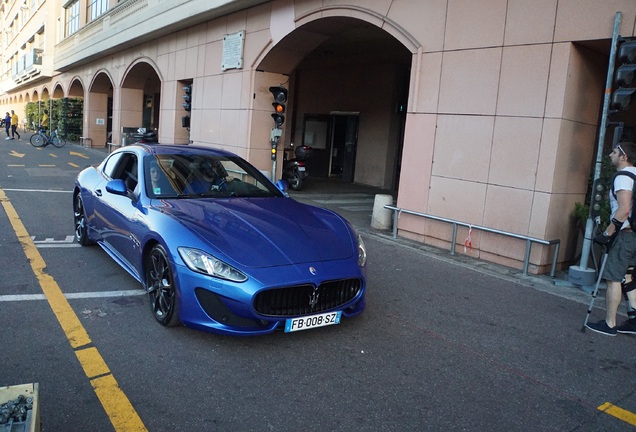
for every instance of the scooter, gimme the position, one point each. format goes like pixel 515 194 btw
pixel 145 136
pixel 294 170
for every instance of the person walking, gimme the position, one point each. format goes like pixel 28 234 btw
pixel 14 125
pixel 621 240
pixel 7 125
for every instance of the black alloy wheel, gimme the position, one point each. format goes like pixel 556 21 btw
pixel 79 216
pixel 160 287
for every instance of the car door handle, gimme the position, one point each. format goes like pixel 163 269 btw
pixel 98 192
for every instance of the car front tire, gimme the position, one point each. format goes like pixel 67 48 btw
pixel 160 287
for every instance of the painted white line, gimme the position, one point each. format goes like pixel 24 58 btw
pixel 71 296
pixel 56 245
pixel 104 294
pixel 38 190
pixel 21 297
pixel 68 242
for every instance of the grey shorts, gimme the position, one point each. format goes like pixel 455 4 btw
pixel 621 256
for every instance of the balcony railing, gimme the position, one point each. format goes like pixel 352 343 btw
pixel 27 65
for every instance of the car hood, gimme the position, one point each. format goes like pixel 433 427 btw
pixel 264 232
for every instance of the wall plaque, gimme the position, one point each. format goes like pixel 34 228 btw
pixel 233 51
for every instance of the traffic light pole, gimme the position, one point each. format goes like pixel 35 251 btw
pixel 580 274
pixel 273 139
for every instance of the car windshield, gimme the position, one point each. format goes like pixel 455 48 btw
pixel 192 175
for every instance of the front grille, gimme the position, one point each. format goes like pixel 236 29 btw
pixel 306 299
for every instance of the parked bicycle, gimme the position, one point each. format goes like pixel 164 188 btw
pixel 41 139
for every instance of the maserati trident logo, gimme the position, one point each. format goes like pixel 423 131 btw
pixel 313 298
pixel 313 271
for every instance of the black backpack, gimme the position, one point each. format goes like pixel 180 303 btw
pixel 632 213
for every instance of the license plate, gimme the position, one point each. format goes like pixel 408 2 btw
pixel 301 168
pixel 313 321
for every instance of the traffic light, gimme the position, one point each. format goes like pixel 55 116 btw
pixel 280 97
pixel 273 139
pixel 624 77
pixel 598 198
pixel 274 146
pixel 187 97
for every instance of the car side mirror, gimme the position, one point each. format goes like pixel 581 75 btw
pixel 282 185
pixel 117 187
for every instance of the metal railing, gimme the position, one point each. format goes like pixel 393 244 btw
pixel 529 240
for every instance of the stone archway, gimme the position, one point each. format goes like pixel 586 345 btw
pixel 98 110
pixel 348 83
pixel 140 98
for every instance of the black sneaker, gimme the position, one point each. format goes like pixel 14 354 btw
pixel 602 328
pixel 628 327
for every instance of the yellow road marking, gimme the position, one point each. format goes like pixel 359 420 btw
pixel 73 165
pixel 53 155
pixel 82 155
pixel 117 406
pixel 92 362
pixel 619 413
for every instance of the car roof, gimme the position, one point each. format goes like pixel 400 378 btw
pixel 157 149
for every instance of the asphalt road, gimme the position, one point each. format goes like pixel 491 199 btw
pixel 446 344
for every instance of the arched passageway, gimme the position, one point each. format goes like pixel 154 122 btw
pixel 140 98
pixel 98 110
pixel 348 83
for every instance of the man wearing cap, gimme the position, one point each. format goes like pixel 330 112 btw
pixel 619 234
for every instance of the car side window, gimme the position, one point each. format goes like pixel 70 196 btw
pixel 111 165
pixel 126 170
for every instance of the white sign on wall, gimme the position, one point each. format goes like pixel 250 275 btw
pixel 100 122
pixel 233 51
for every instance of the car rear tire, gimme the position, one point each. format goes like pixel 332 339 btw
pixel 79 216
pixel 160 287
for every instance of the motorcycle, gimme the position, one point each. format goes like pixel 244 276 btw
pixel 294 170
pixel 144 136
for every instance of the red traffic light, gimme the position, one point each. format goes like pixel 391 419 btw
pixel 280 97
pixel 280 94
pixel 625 77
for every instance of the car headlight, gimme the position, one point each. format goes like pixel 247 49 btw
pixel 362 252
pixel 202 262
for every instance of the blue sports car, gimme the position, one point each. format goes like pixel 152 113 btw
pixel 218 246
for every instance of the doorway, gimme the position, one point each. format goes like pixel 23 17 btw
pixel 334 138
